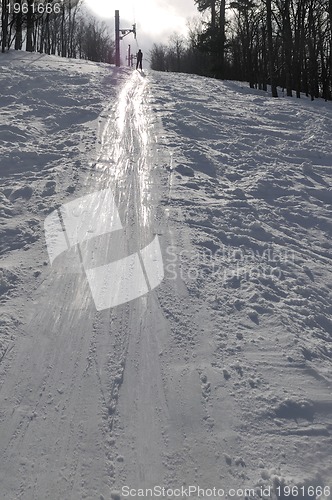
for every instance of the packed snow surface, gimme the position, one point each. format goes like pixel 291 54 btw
pixel 221 375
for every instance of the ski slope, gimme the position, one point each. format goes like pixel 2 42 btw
pixel 221 375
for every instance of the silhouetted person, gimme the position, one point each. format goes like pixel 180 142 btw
pixel 139 56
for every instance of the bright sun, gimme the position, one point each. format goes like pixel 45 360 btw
pixel 153 18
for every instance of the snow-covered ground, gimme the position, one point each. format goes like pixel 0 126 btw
pixel 220 376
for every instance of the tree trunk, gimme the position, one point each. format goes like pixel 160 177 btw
pixel 4 25
pixel 222 22
pixel 288 42
pixel 18 28
pixel 312 53
pixel 30 26
pixel 270 48
pixel 63 41
pixel 213 13
pixel 330 58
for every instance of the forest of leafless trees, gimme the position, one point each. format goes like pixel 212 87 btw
pixel 285 43
pixel 282 43
pixel 60 27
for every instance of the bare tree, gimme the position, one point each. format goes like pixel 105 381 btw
pixel 4 25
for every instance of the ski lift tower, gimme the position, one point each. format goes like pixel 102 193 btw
pixel 119 35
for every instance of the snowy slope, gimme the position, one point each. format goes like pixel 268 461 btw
pixel 252 210
pixel 221 376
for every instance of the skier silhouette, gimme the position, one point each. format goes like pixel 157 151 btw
pixel 139 56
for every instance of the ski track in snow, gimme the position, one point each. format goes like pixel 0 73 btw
pixel 222 375
pixel 61 386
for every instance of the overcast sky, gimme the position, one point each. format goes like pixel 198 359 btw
pixel 156 19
